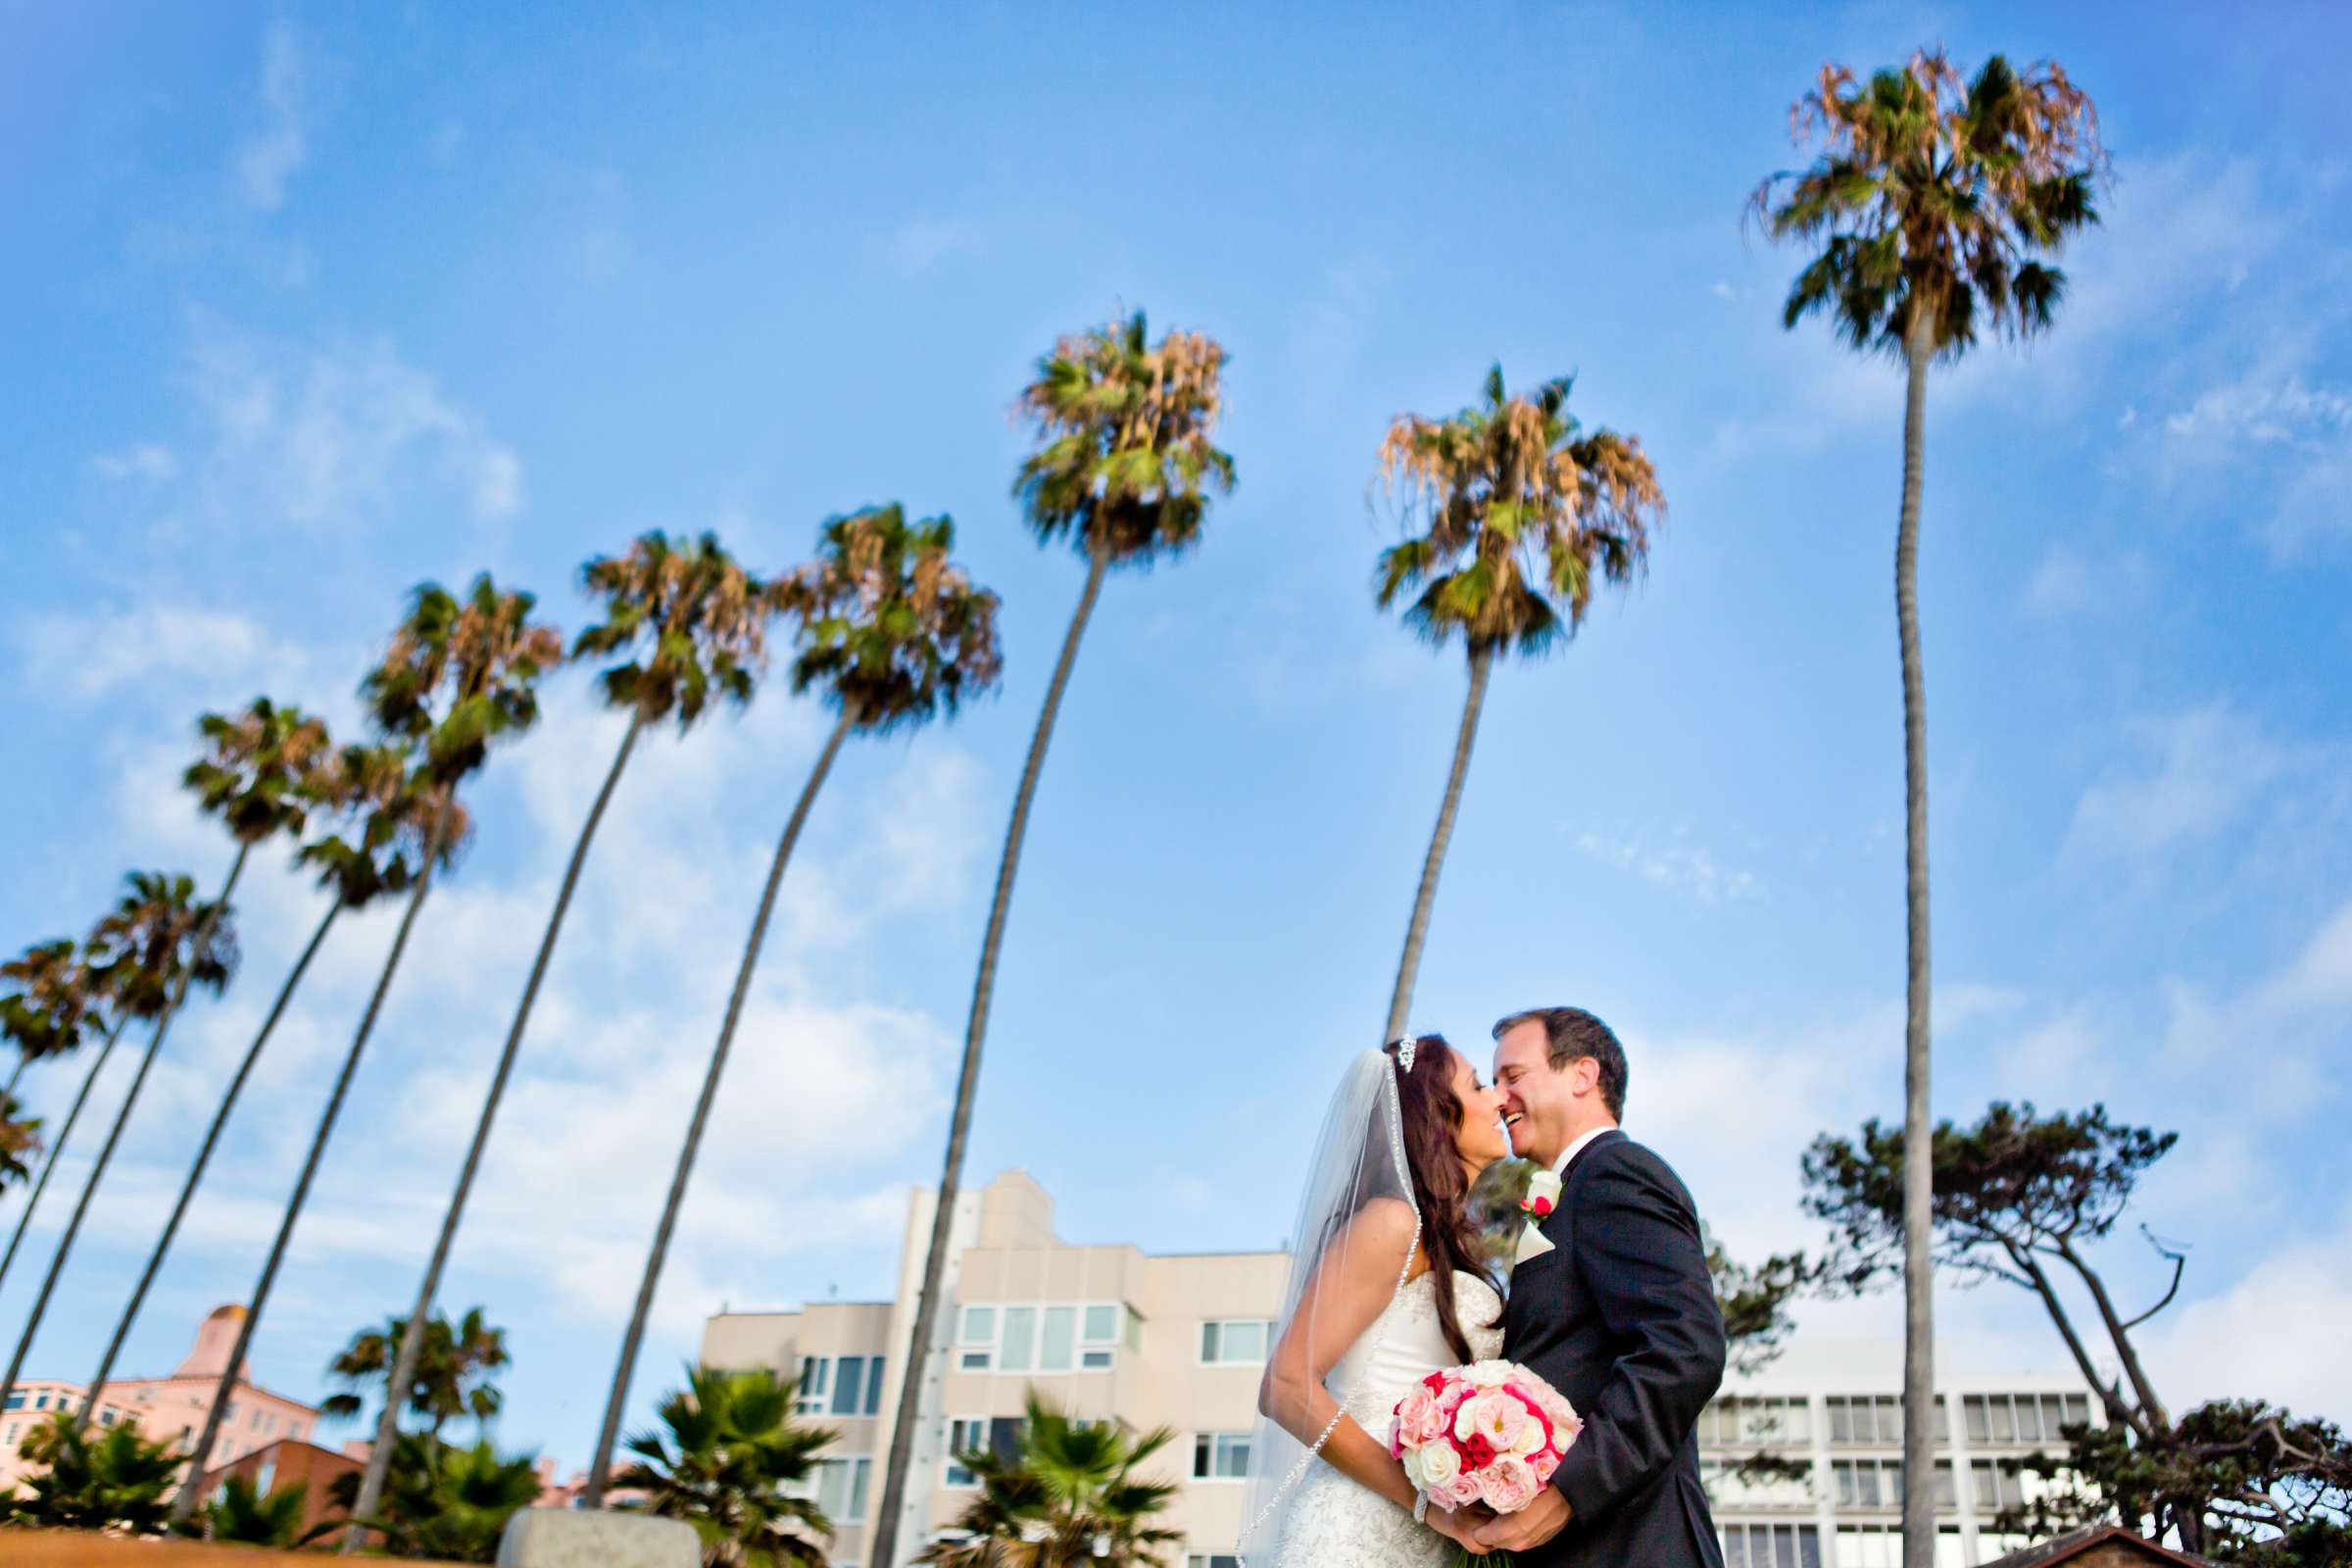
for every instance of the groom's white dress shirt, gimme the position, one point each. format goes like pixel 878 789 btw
pixel 1559 1166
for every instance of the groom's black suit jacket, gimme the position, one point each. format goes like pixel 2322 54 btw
pixel 1620 1316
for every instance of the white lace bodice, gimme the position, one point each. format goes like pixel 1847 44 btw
pixel 1334 1523
pixel 1406 1344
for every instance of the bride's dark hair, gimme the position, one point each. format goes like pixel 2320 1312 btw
pixel 1432 1114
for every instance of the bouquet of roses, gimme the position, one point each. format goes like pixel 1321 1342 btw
pixel 1489 1433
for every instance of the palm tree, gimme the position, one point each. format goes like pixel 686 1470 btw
pixel 160 939
pixel 20 1140
pixel 739 1472
pixel 1521 513
pixel 404 819
pixel 460 674
pixel 893 633
pixel 110 1479
pixel 1072 1496
pixel 443 1502
pixel 1122 472
pixel 262 778
pixel 452 1373
pixel 60 994
pixel 702 619
pixel 48 1006
pixel 242 1516
pixel 1927 209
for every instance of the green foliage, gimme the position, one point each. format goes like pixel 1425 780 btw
pixel 2264 1489
pixel 1124 461
pixel 20 1140
pixel 1936 199
pixel 441 1501
pixel 736 1466
pixel 461 673
pixel 1519 515
pixel 892 632
pixel 701 617
pixel 241 1515
pixel 453 1367
pixel 52 998
pixel 159 935
pixel 96 1477
pixel 388 811
pixel 2013 1185
pixel 257 771
pixel 1072 1496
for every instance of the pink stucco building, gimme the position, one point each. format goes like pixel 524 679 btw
pixel 168 1409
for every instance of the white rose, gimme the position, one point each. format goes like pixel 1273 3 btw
pixel 1487 1374
pixel 1439 1464
pixel 1530 1439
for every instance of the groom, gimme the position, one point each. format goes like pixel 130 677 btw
pixel 1617 1311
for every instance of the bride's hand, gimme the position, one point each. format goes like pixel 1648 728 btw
pixel 1457 1525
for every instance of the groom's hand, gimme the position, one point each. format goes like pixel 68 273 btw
pixel 1530 1525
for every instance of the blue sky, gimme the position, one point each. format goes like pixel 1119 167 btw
pixel 306 306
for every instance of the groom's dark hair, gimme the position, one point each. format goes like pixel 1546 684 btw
pixel 1573 1035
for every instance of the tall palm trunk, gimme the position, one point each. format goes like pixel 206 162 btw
pixel 114 1136
pixel 1416 930
pixel 1919 1173
pixel 204 1156
pixel 183 1503
pixel 609 1434
pixel 412 1342
pixel 959 1123
pixel 14 1074
pixel 56 1150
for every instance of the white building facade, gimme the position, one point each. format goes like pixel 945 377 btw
pixel 1112 1333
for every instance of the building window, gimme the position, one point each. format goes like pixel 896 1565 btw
pixel 16 1401
pixel 1215 1560
pixel 1879 1484
pixel 1081 1337
pixel 848 1384
pixel 809 1398
pixel 1234 1341
pixel 2000 1418
pixel 1756 1422
pixel 265 1477
pixel 976 1337
pixel 1221 1456
pixel 841 1489
pixel 1999 1483
pixel 1866 1420
pixel 1771 1546
pixel 966 1434
pixel 40 1402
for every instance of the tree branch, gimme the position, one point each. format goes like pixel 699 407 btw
pixel 2179 1257
pixel 2110 1397
pixel 2152 1406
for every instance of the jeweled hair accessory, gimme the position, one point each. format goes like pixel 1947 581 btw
pixel 1407 1045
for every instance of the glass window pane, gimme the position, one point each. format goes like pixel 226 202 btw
pixel 873 1387
pixel 1842 1421
pixel 1972 1408
pixel 1865 1485
pixel 2029 1420
pixel 1891 1418
pixel 849 1386
pixel 975 1361
pixel 2004 1430
pixel 1784 1547
pixel 2078 1409
pixel 1233 1457
pixel 1203 1448
pixel 860 1470
pixel 1094 1360
pixel 979 1326
pixel 1796 1421
pixel 1808 1546
pixel 1059 1341
pixel 1947 1487
pixel 1209 1342
pixel 1101 1325
pixel 1020 1338
pixel 1246 1341
pixel 1735 1546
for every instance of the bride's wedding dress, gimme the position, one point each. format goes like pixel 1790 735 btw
pixel 1335 1523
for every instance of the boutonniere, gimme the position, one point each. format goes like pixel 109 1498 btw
pixel 1543 1197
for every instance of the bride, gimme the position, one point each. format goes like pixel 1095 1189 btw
pixel 1385 1289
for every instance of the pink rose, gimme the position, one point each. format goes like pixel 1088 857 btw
pixel 1508 1485
pixel 1544 1464
pixel 1499 1417
pixel 1459 1493
pixel 1413 1412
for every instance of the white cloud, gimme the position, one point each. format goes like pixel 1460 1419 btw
pixel 320 437
pixel 1679 866
pixel 153 464
pixel 273 154
pixel 2320 977
pixel 2197 772
pixel 86 656
pixel 2260 1338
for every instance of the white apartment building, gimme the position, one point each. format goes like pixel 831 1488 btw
pixel 1113 1332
